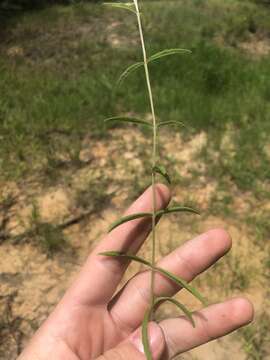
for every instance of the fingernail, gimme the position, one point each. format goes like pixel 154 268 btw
pixel 156 340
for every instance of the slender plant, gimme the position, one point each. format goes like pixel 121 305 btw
pixel 157 169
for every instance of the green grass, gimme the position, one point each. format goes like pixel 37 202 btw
pixel 261 227
pixel 64 81
pixel 256 339
pixel 49 236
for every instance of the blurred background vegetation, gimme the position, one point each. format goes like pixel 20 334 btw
pixel 218 87
pixel 59 63
pixel 33 4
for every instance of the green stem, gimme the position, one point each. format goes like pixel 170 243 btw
pixel 154 152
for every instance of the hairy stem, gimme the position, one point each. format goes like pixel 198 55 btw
pixel 154 151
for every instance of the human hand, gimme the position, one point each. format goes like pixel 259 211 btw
pixel 91 322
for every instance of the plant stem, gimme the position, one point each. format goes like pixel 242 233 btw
pixel 154 152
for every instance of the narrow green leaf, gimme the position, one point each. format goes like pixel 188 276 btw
pixel 171 122
pixel 127 119
pixel 146 320
pixel 179 305
pixel 125 6
pixel 167 52
pixel 129 218
pixel 145 339
pixel 129 71
pixel 125 255
pixel 182 283
pixel 160 169
pixel 176 279
pixel 177 209
pixel 149 214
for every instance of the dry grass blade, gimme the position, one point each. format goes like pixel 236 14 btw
pixel 129 71
pixel 127 119
pixel 176 279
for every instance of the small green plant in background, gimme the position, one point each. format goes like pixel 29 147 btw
pixel 256 339
pixel 49 236
pixel 157 169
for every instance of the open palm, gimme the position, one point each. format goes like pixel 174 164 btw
pixel 92 322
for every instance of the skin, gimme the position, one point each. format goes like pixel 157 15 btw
pixel 92 321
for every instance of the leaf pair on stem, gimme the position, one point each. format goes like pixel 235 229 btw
pixel 161 54
pixel 133 120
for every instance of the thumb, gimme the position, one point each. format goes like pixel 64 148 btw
pixel 132 348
